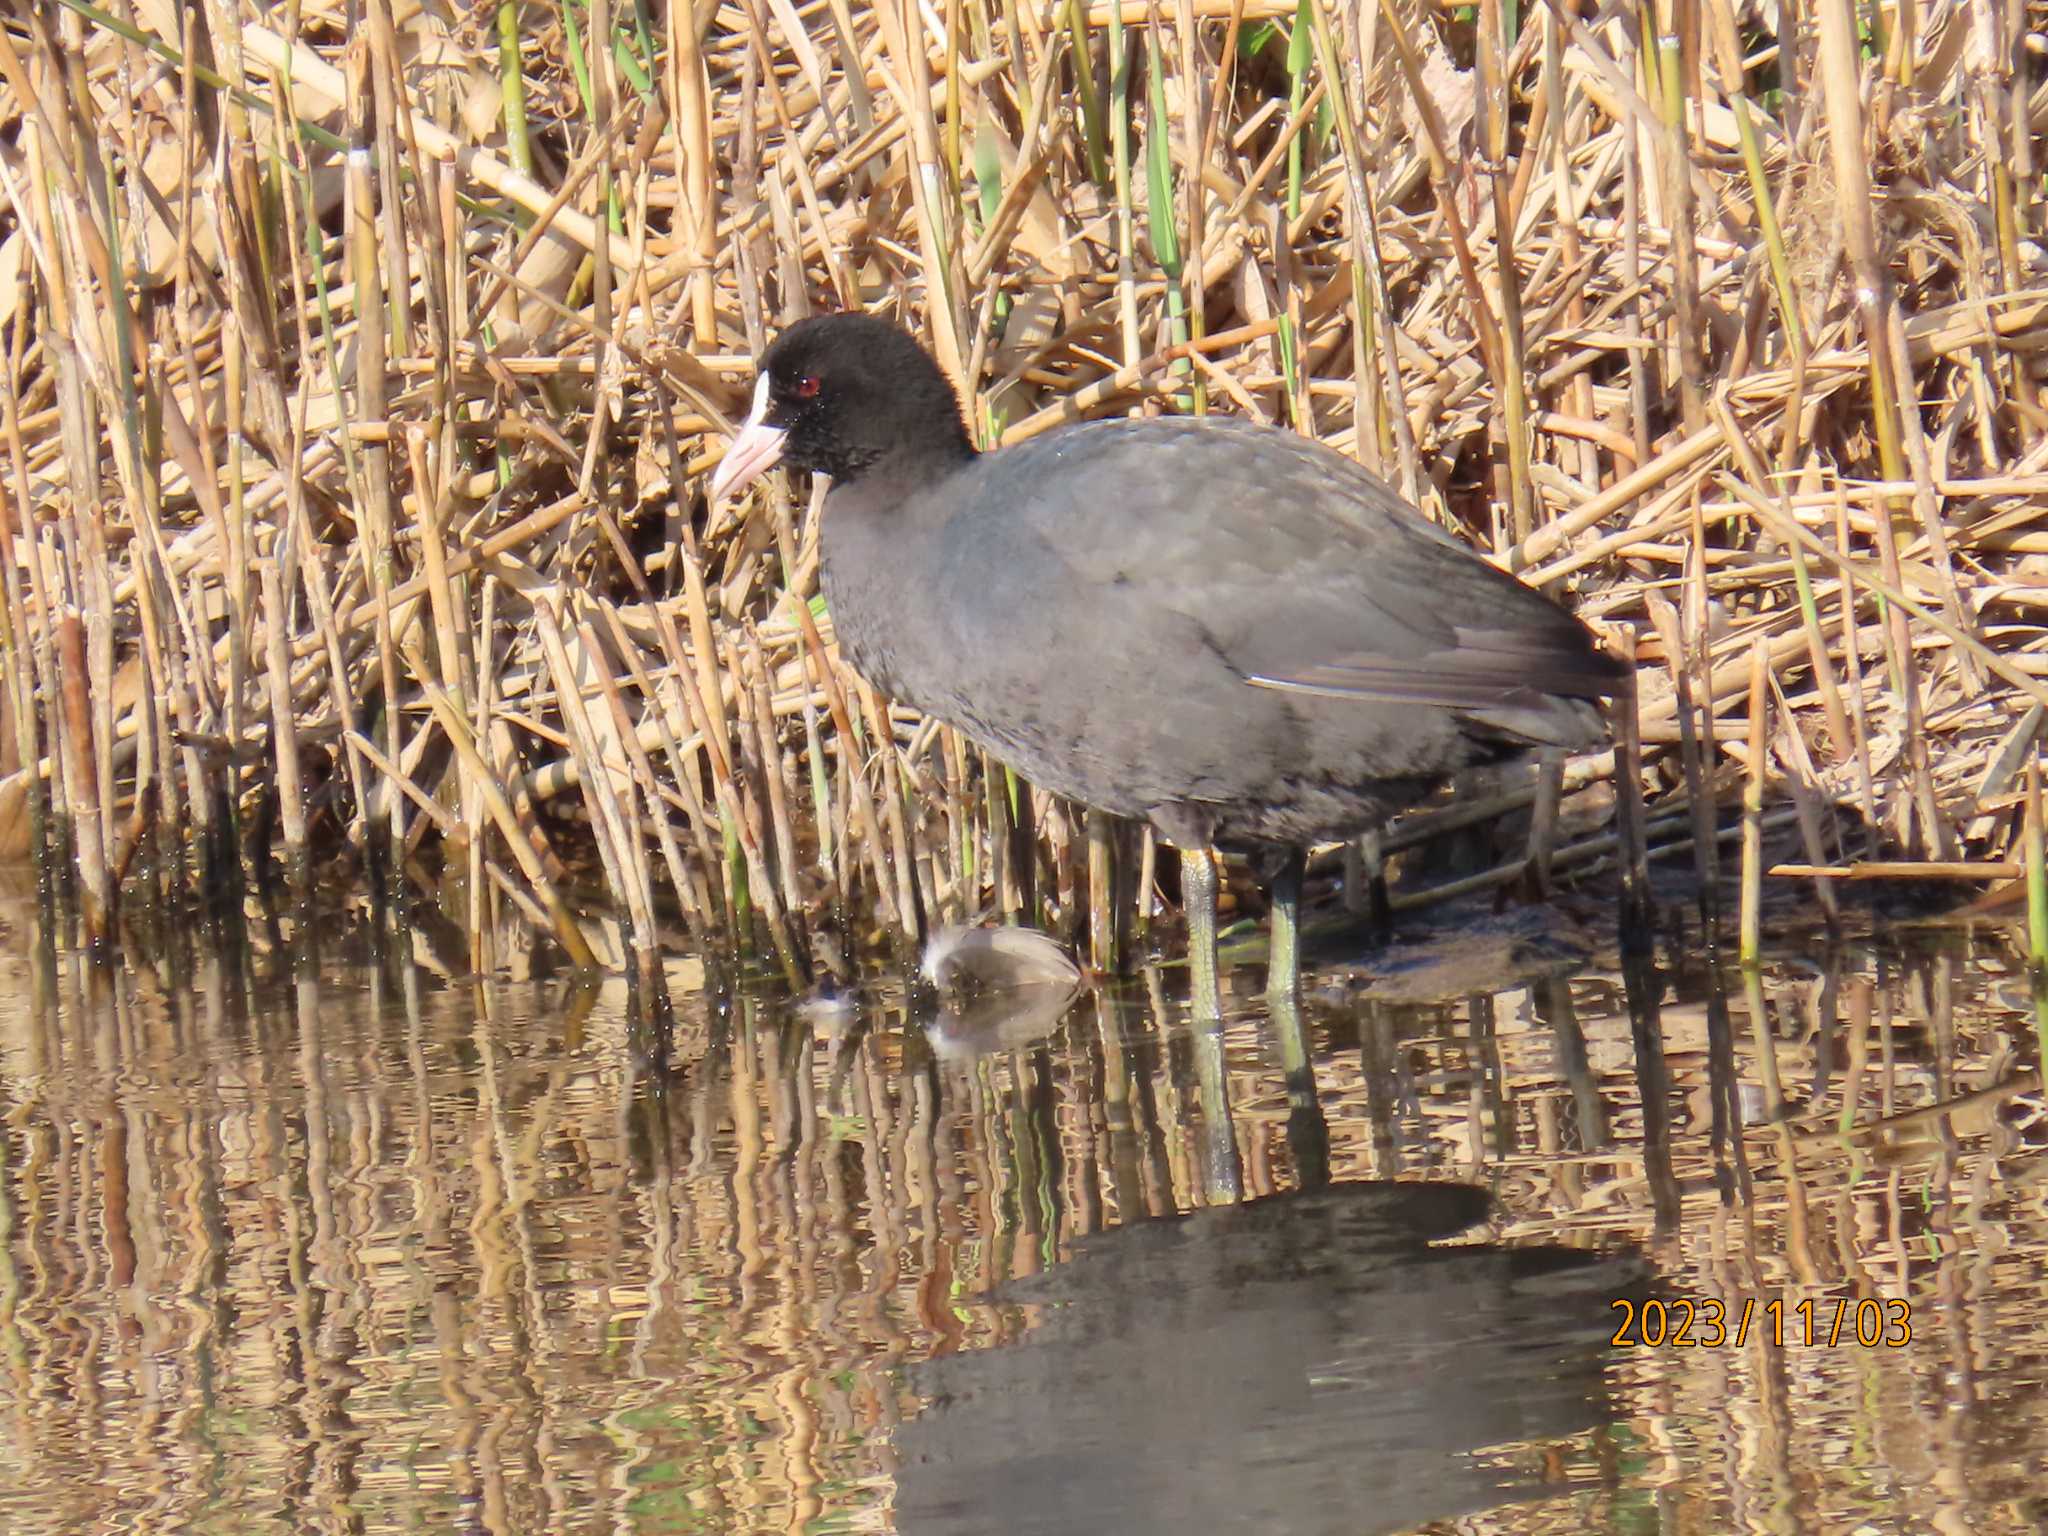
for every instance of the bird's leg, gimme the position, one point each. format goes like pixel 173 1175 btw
pixel 1198 899
pixel 1308 1132
pixel 1283 962
pixel 1222 1168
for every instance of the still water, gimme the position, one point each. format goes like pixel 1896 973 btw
pixel 311 1237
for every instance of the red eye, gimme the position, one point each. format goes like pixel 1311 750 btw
pixel 806 387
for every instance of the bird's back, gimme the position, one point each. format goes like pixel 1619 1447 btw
pixel 1208 613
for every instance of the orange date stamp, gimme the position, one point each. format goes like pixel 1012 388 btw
pixel 1823 1322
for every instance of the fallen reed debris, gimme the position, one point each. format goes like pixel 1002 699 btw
pixel 364 361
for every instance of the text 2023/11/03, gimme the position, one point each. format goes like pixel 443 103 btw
pixel 1826 1322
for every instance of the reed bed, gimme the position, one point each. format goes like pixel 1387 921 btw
pixel 364 363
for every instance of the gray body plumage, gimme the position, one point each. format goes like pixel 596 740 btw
pixel 1231 631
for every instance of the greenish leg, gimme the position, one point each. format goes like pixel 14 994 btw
pixel 1283 965
pixel 1222 1170
pixel 1308 1132
pixel 1198 898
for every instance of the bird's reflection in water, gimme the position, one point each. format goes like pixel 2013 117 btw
pixel 1307 1362
pixel 984 1025
pixel 1302 1363
pixel 994 990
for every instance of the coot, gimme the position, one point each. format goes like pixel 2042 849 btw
pixel 1230 631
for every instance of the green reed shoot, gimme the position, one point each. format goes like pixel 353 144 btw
pixel 1164 228
pixel 1300 48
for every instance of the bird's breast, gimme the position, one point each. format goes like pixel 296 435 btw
pixel 881 606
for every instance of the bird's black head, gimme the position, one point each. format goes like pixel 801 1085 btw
pixel 839 394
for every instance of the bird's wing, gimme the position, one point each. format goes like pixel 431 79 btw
pixel 1302 570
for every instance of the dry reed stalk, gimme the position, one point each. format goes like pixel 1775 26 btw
pixel 1634 329
pixel 96 891
pixel 773 776
pixel 1631 818
pixel 26 640
pixel 753 829
pixel 1903 869
pixel 429 512
pixel 1102 917
pixel 1565 211
pixel 1750 939
pixel 950 750
pixel 2037 871
pixel 1493 105
pixel 1852 662
pixel 291 804
pixel 88 561
pixel 482 930
pixel 882 737
pixel 1664 63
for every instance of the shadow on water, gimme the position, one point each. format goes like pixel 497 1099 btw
pixel 299 1235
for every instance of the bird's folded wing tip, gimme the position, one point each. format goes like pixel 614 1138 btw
pixel 1443 682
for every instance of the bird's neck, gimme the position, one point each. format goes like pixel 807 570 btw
pixel 916 465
